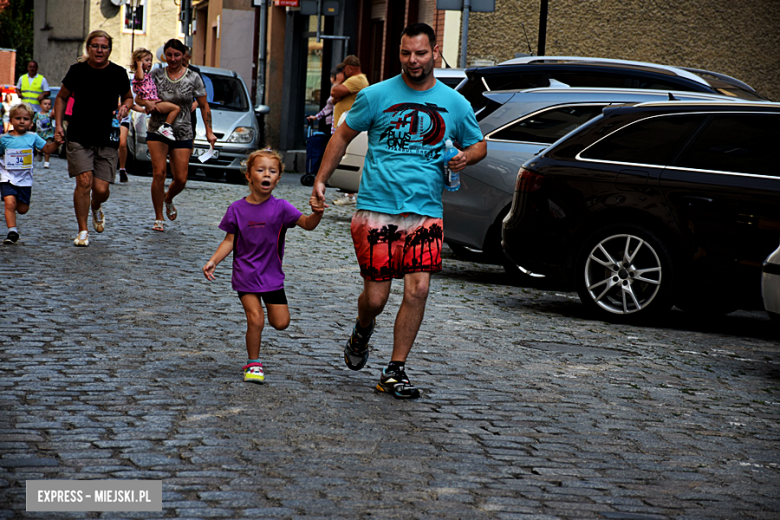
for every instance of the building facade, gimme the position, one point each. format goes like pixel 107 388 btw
pixel 740 39
pixel 61 29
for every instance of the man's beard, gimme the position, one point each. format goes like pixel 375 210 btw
pixel 419 79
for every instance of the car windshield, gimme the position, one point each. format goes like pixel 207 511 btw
pixel 225 92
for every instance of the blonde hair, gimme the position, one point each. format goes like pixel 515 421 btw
pixel 21 107
pixel 266 152
pixel 138 55
pixel 100 34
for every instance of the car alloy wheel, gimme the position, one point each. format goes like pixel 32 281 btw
pixel 625 271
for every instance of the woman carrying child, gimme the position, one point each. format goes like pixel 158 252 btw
pixel 256 227
pixel 146 90
pixel 17 148
pixel 178 85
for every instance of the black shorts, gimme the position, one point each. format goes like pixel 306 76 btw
pixel 151 136
pixel 22 193
pixel 277 297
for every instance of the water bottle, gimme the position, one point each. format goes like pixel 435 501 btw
pixel 451 178
pixel 114 128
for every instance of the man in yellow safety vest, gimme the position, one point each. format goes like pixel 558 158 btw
pixel 33 87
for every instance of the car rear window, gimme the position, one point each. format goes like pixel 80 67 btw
pixel 736 143
pixel 655 140
pixel 225 92
pixel 548 126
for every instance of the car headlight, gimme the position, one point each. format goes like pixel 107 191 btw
pixel 242 134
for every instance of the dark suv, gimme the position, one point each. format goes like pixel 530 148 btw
pixel 557 71
pixel 652 205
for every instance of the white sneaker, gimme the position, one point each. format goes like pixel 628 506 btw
pixel 166 131
pixel 98 220
pixel 82 240
pixel 345 201
pixel 46 164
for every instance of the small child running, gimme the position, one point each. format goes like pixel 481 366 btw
pixel 146 90
pixel 17 148
pixel 256 227
pixel 43 123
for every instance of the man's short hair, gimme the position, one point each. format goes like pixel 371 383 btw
pixel 32 61
pixel 419 28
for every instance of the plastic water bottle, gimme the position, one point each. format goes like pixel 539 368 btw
pixel 115 128
pixel 451 178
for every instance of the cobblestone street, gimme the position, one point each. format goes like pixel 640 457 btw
pixel 121 361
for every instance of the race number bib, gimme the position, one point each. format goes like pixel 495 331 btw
pixel 18 158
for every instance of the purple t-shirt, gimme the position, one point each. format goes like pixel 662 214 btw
pixel 258 248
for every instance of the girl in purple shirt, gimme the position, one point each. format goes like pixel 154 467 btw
pixel 255 227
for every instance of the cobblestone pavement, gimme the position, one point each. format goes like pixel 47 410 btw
pixel 120 361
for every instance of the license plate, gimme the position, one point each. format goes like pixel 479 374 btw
pixel 197 152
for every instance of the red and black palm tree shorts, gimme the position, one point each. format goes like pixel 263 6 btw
pixel 390 246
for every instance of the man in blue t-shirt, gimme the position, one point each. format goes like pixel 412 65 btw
pixel 398 228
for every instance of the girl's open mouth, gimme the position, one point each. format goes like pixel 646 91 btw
pixel 265 184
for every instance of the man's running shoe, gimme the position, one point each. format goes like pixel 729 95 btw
pixel 11 238
pixel 98 220
pixel 397 384
pixel 356 351
pixel 82 239
pixel 123 176
pixel 253 373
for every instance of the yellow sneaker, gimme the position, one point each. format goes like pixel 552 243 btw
pixel 253 373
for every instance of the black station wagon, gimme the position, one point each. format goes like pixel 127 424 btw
pixel 654 204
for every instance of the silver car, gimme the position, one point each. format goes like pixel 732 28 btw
pixel 235 123
pixel 517 125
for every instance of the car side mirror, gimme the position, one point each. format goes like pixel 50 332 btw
pixel 261 110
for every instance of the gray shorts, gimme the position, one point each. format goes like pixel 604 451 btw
pixel 100 160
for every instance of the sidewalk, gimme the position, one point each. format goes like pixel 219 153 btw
pixel 120 361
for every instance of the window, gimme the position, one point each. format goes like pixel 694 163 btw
pixel 607 80
pixel 134 16
pixel 655 140
pixel 549 126
pixel 736 143
pixel 225 92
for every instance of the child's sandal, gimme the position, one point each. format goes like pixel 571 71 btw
pixel 158 225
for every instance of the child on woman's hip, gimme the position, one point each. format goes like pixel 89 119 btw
pixel 146 91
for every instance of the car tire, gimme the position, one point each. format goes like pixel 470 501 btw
pixel 624 272
pixel 307 179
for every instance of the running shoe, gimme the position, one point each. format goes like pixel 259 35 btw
pixel 123 176
pixel 82 240
pixel 46 164
pixel 12 237
pixel 397 384
pixel 253 373
pixel 98 220
pixel 345 201
pixel 166 131
pixel 356 351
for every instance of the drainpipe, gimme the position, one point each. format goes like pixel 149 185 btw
pixel 261 52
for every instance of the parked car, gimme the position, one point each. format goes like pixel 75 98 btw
pixel 517 125
pixel 449 76
pixel 770 285
pixel 235 123
pixel 545 71
pixel 656 204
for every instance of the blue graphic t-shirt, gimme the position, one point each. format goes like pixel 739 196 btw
pixel 407 128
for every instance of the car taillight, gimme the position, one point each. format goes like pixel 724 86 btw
pixel 528 181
